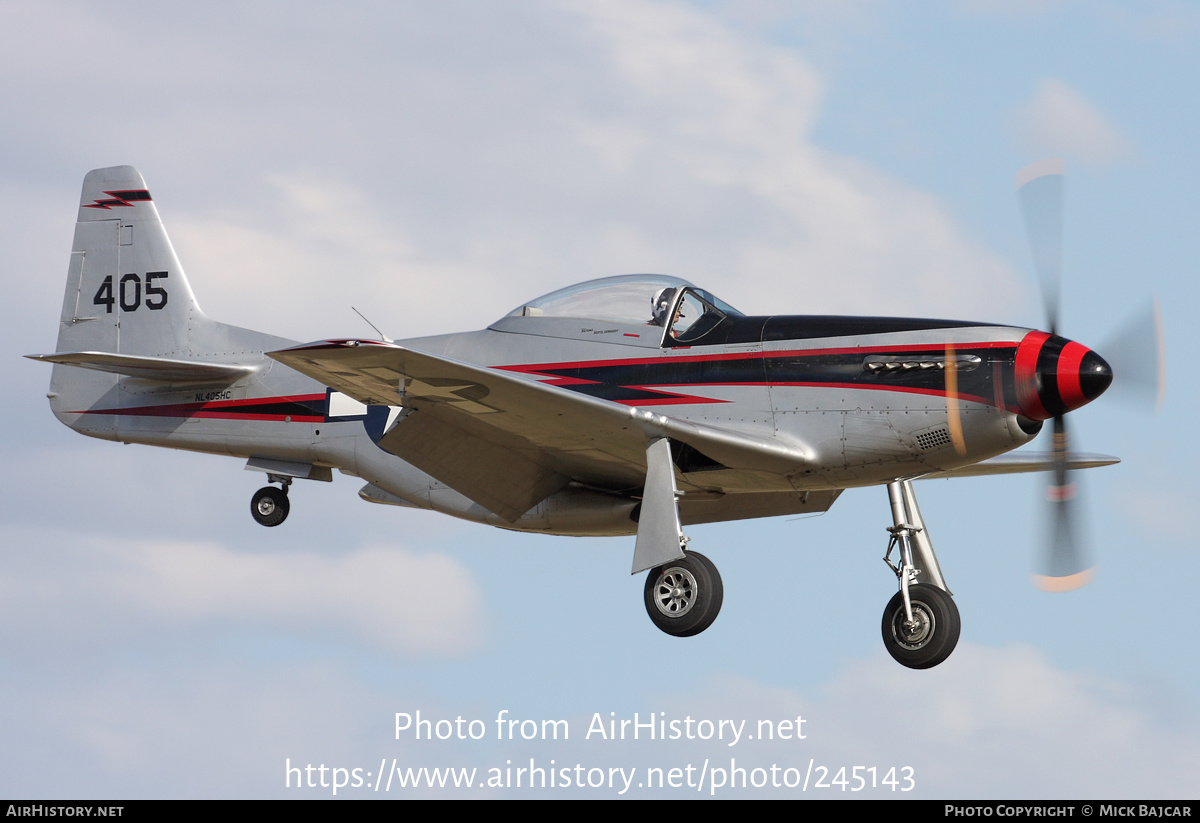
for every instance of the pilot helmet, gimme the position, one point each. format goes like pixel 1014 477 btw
pixel 661 304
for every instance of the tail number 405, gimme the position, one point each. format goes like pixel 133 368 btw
pixel 129 292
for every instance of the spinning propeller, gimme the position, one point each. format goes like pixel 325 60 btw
pixel 1055 375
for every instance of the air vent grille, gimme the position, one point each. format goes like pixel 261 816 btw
pixel 933 438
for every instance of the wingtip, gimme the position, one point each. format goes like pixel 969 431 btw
pixel 1068 583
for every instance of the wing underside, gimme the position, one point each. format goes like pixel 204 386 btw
pixel 1022 462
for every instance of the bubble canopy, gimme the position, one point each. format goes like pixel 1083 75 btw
pixel 627 298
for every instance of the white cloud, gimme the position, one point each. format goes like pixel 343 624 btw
pixel 469 167
pixel 775 219
pixel 1005 722
pixel 390 598
pixel 187 726
pixel 1164 512
pixel 1060 121
pixel 990 722
pixel 1174 23
pixel 987 723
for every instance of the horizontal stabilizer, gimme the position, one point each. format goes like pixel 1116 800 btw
pixel 157 369
pixel 1018 463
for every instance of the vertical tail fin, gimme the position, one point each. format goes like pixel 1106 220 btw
pixel 130 326
pixel 126 291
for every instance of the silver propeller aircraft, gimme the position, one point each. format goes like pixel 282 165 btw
pixel 630 405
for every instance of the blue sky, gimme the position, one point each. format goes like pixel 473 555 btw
pixel 437 165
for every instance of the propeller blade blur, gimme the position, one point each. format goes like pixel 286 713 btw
pixel 953 420
pixel 1137 354
pixel 1064 565
pixel 1040 189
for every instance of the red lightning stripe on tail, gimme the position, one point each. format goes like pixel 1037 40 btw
pixel 120 198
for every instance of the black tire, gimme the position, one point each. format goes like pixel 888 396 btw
pixel 683 597
pixel 269 506
pixel 936 629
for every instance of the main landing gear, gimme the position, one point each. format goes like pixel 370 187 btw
pixel 269 506
pixel 921 623
pixel 683 589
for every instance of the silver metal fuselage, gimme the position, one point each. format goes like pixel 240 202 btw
pixel 857 435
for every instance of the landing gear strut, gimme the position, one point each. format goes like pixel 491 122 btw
pixel 683 590
pixel 921 623
pixel 683 597
pixel 269 506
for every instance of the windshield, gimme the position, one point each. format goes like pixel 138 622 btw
pixel 696 314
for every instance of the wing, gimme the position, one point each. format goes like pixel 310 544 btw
pixel 507 441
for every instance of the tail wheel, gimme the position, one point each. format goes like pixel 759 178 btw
pixel 930 636
pixel 269 506
pixel 683 597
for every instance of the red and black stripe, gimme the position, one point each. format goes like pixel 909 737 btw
pixel 306 408
pixel 660 380
pixel 1054 375
pixel 124 198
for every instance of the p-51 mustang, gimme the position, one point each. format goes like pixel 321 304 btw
pixel 627 405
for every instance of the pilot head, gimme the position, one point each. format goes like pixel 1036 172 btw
pixel 660 304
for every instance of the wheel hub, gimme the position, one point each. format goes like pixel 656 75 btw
pixel 266 507
pixel 676 592
pixel 915 633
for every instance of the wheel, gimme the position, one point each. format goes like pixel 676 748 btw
pixel 683 597
pixel 270 506
pixel 933 633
